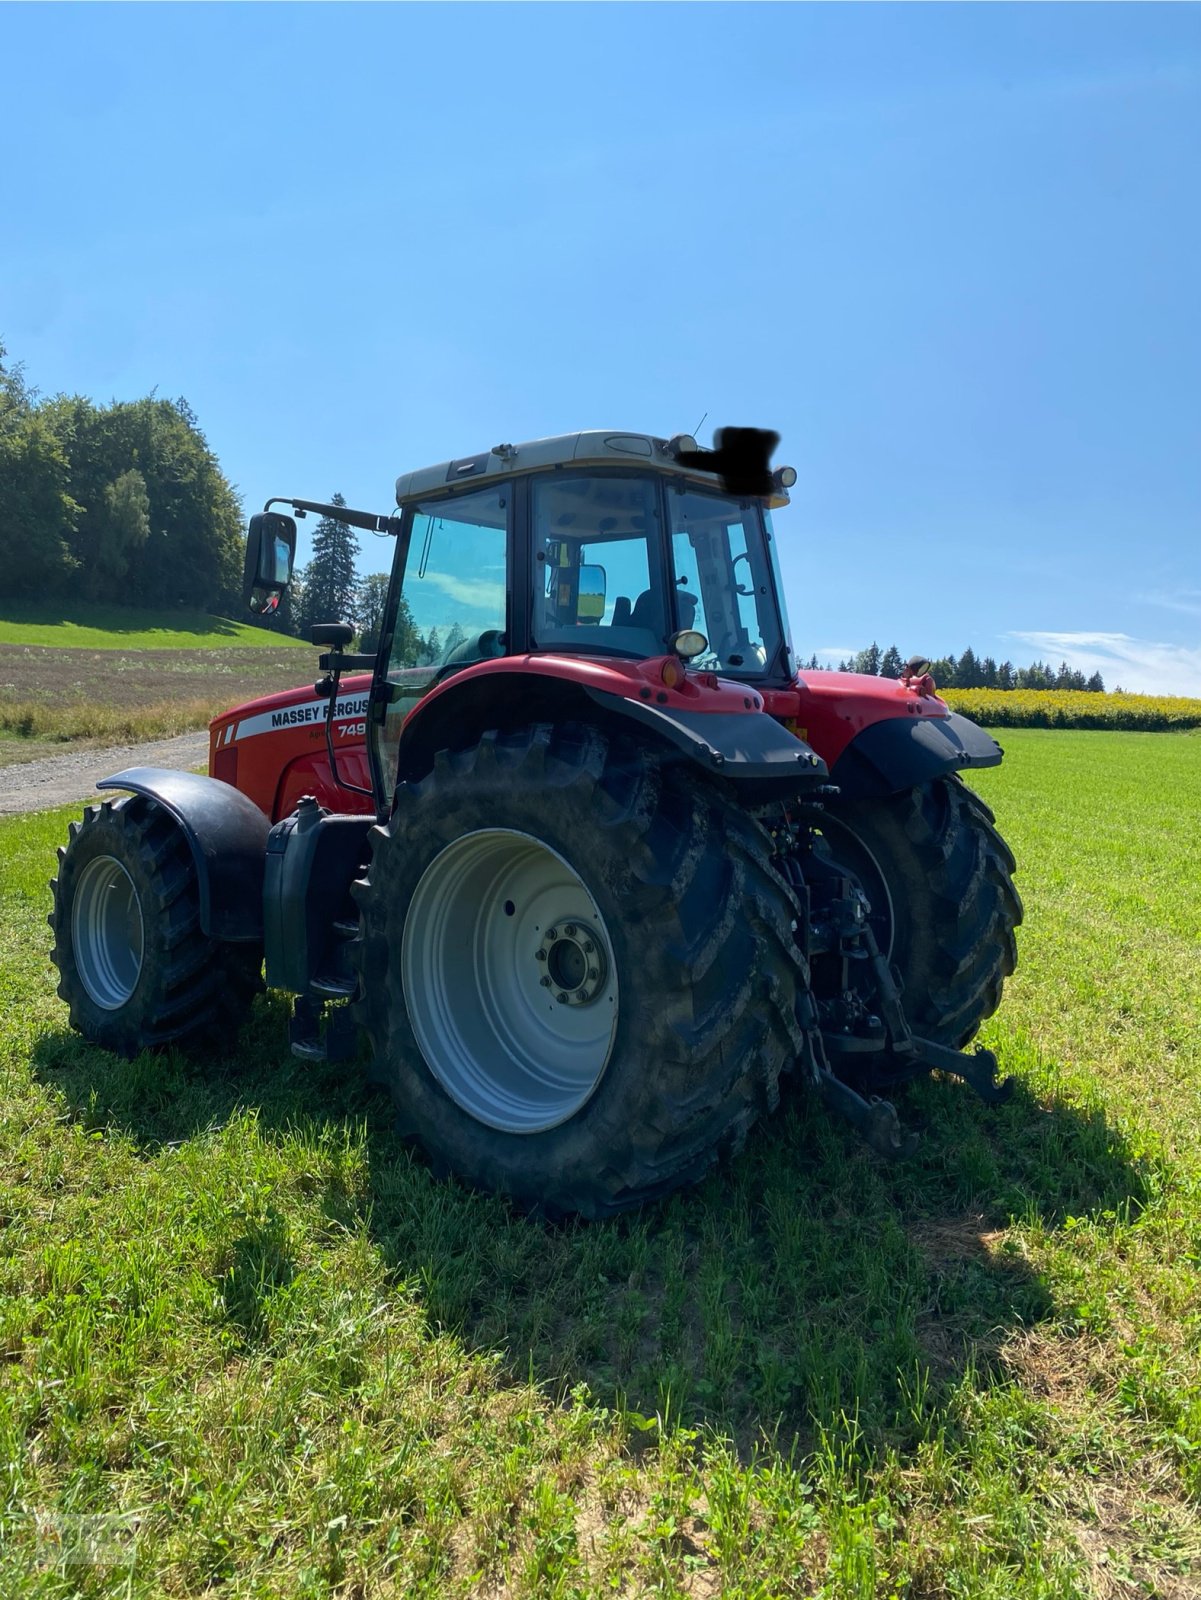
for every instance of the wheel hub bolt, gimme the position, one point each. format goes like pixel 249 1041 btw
pixel 575 963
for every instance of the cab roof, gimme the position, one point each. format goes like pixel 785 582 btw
pixel 597 447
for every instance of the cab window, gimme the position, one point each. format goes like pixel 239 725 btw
pixel 453 605
pixel 597 575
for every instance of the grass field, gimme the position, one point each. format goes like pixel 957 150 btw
pixel 107 675
pixel 107 696
pixel 252 1347
pixel 85 627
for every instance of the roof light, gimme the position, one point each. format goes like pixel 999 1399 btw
pixel 680 441
pixel 784 477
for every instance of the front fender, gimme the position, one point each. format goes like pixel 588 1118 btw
pixel 901 752
pixel 227 835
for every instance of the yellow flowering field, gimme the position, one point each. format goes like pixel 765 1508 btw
pixel 1073 708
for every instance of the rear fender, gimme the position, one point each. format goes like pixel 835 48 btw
pixel 902 752
pixel 227 835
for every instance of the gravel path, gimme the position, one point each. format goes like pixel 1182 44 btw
pixel 39 785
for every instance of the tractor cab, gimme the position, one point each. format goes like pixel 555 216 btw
pixel 614 548
pixel 596 545
pixel 591 543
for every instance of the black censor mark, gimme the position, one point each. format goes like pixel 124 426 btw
pixel 741 457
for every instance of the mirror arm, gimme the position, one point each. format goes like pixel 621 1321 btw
pixel 368 520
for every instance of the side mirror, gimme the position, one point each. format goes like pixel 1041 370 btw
pixel 590 607
pixel 270 556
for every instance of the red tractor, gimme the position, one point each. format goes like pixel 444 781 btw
pixel 580 851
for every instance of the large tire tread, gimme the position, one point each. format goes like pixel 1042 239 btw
pixel 192 990
pixel 708 1018
pixel 951 880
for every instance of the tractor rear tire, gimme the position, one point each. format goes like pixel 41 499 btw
pixel 944 905
pixel 134 966
pixel 578 970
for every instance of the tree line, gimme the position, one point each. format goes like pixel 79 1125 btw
pixel 121 503
pixel 969 671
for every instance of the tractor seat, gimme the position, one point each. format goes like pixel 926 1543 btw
pixel 486 647
pixel 644 612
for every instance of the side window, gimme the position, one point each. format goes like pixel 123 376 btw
pixel 722 575
pixel 453 601
pixel 597 583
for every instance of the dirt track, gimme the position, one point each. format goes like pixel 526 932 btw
pixel 56 781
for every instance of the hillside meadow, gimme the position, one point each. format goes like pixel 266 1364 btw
pixel 253 1346
pixel 108 675
pixel 78 626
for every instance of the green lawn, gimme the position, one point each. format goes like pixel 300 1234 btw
pixel 126 628
pixel 251 1337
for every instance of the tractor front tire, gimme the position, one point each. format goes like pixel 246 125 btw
pixel 134 966
pixel 944 905
pixel 578 970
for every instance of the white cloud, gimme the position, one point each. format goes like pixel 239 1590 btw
pixel 1141 665
pixel 477 594
pixel 1186 600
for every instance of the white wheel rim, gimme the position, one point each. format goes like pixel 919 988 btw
pixel 499 928
pixel 107 934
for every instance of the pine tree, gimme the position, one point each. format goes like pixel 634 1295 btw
pixel 1005 679
pixel 406 641
pixel 967 673
pixel 430 650
pixel 891 665
pixel 329 579
pixel 1096 684
pixel 868 660
pixel 943 671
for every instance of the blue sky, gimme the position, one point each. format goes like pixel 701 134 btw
pixel 951 254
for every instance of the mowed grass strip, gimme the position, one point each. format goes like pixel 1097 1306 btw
pixel 100 627
pixel 242 1321
pixel 113 696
